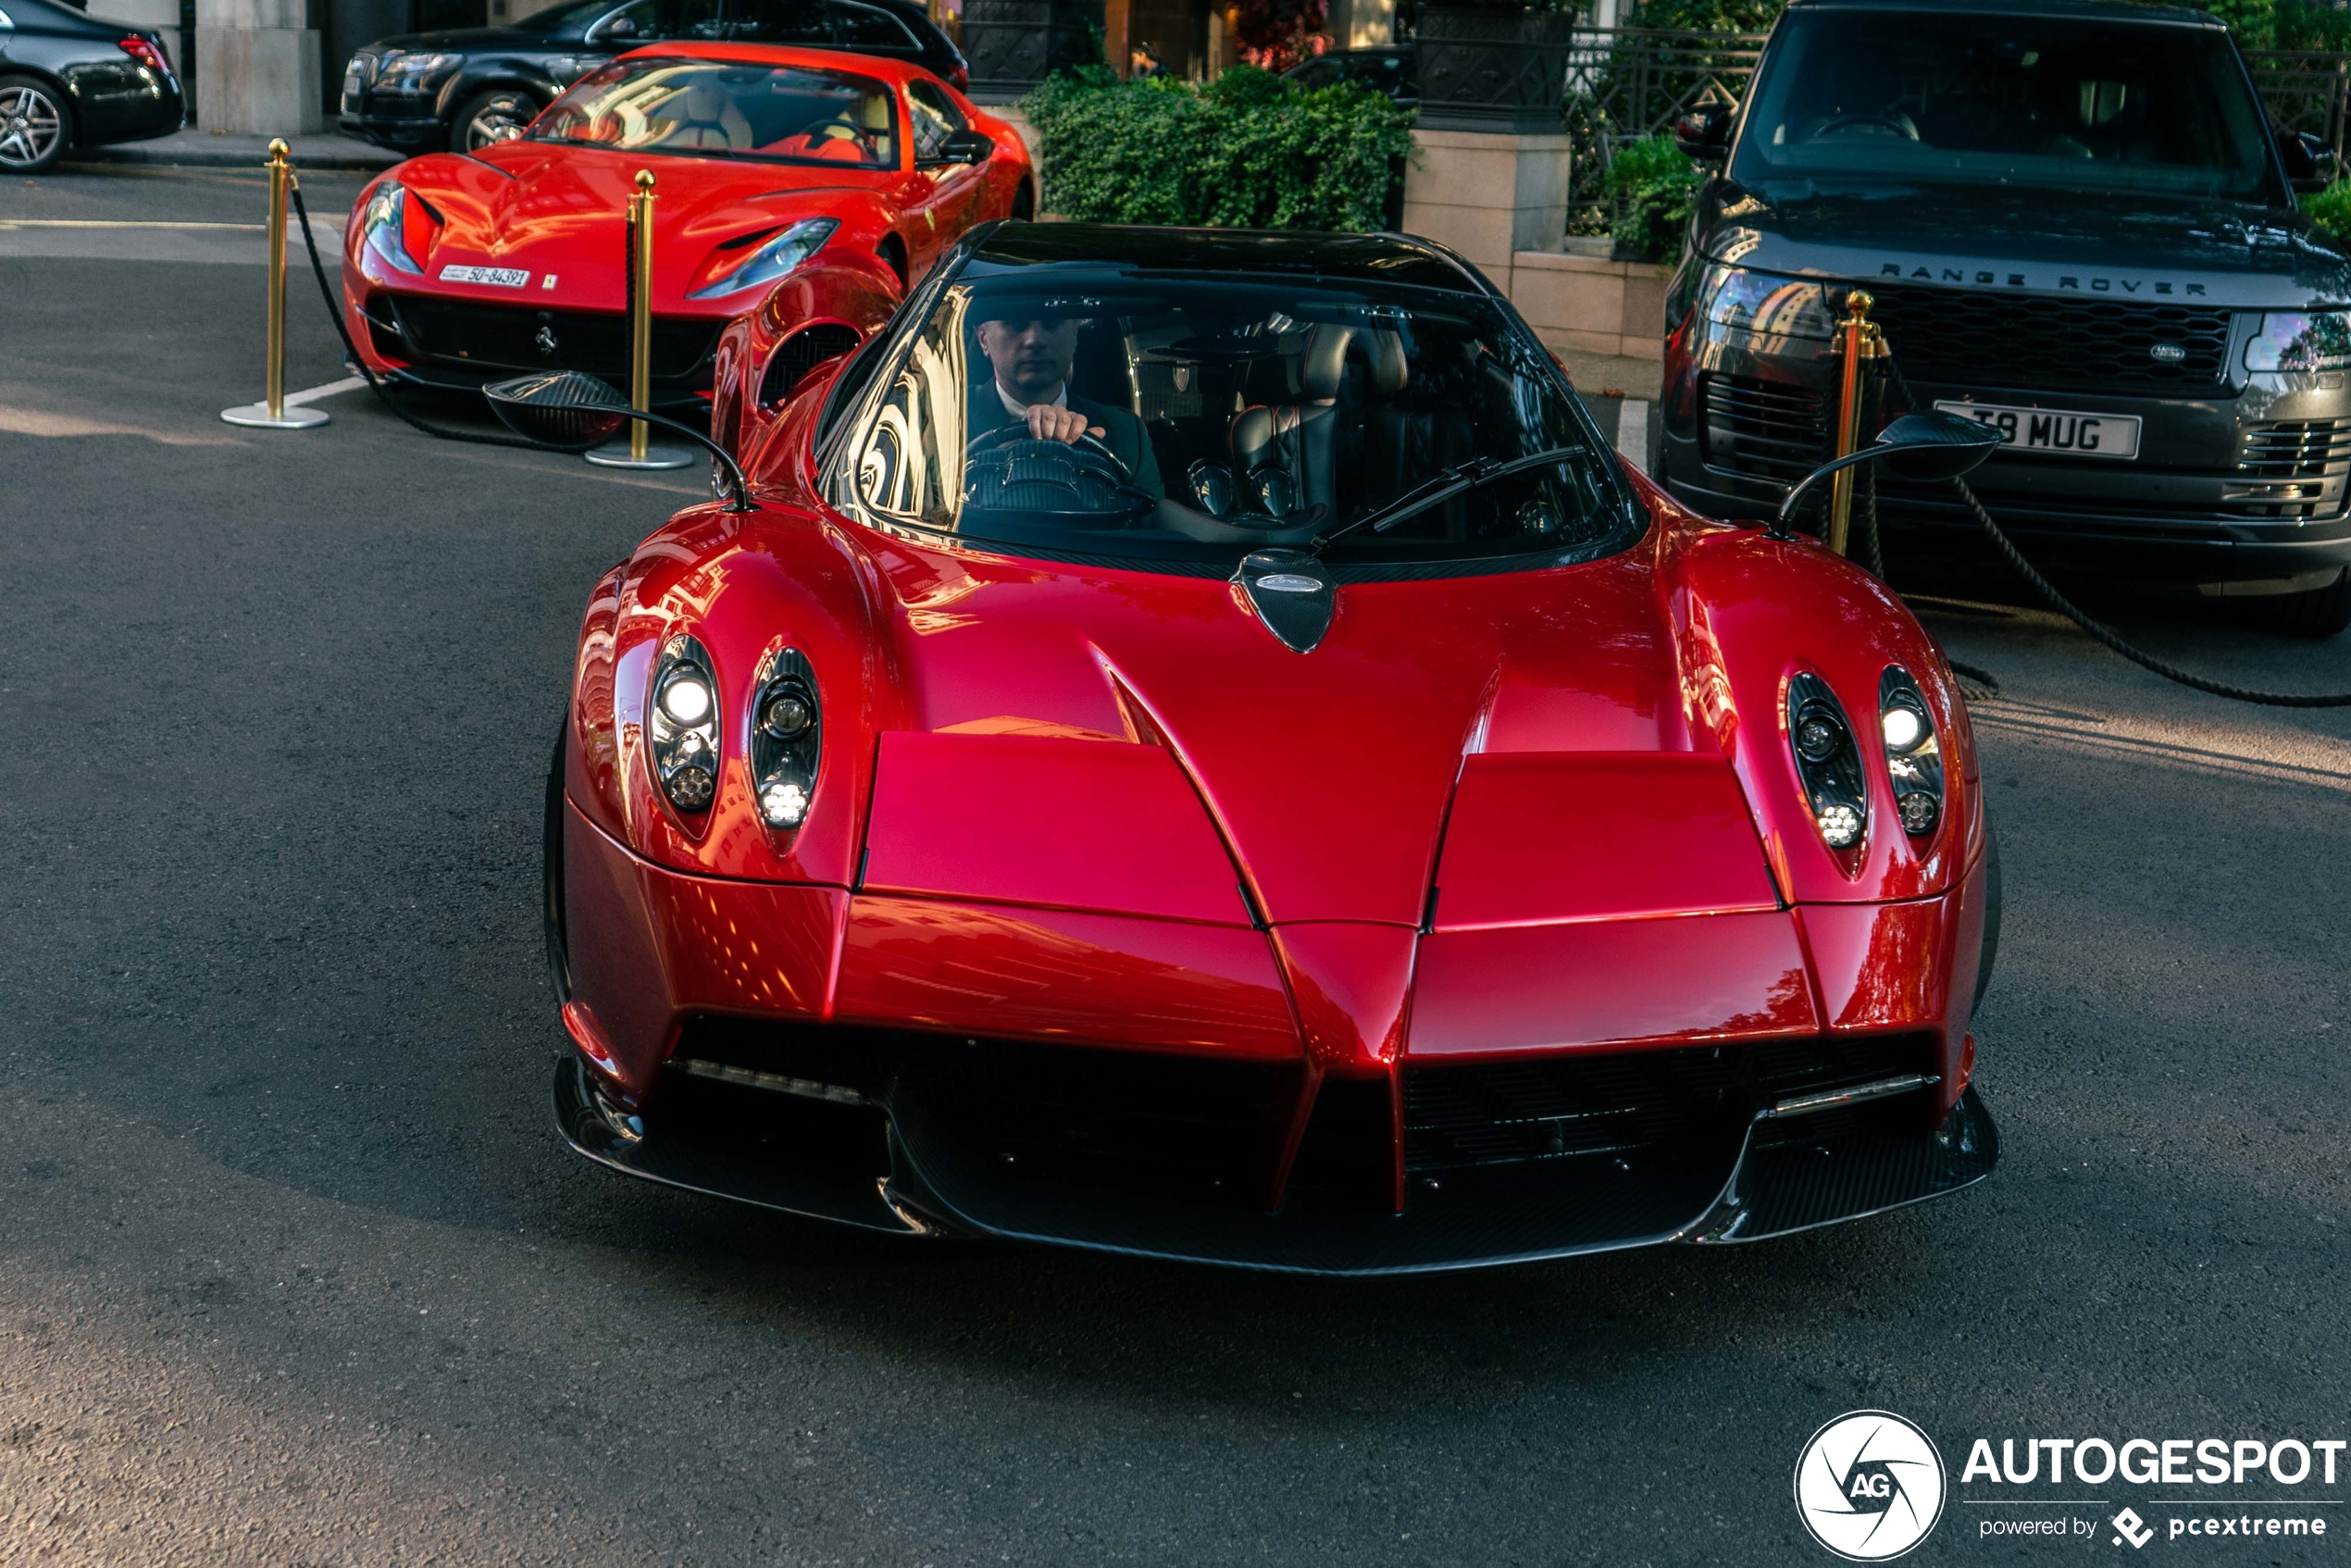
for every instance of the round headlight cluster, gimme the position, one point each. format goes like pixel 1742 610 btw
pixel 786 739
pixel 681 722
pixel 1827 762
pixel 1913 756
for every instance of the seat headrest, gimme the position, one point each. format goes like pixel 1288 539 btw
pixel 1325 366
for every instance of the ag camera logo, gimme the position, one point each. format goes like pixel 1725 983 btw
pixel 1870 1485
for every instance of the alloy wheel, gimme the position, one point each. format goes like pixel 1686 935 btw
pixel 30 126
pixel 501 119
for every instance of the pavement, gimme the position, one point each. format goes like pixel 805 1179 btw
pixel 198 148
pixel 294 1268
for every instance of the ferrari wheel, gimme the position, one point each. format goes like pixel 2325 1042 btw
pixel 2318 612
pixel 1024 203
pixel 487 118
pixel 36 126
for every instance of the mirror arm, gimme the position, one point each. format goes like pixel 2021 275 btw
pixel 1779 527
pixel 736 481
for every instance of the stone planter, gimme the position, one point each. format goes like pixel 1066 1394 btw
pixel 1014 44
pixel 1487 68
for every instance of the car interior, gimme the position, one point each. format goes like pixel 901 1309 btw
pixel 713 107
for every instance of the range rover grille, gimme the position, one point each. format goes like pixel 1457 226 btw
pixel 1984 339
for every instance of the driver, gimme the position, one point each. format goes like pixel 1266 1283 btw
pixel 1031 354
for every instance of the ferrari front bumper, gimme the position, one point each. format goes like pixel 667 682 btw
pixel 968 1138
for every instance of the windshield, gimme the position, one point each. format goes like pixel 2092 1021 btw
pixel 1195 417
pixel 2009 100
pixel 717 109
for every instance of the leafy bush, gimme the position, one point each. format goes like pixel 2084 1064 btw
pixel 1245 150
pixel 2319 26
pixel 2331 210
pixel 1654 186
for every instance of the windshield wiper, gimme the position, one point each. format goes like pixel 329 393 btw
pixel 1442 487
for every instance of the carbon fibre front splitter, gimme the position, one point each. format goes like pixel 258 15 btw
pixel 908 1169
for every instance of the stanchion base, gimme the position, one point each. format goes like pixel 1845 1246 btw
pixel 617 457
pixel 255 415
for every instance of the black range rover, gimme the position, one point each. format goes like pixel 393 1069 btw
pixel 2076 224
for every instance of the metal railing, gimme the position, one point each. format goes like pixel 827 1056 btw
pixel 1625 85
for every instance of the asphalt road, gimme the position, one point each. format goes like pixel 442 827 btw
pixel 294 1268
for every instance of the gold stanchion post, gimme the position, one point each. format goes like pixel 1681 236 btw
pixel 271 413
pixel 1858 339
pixel 641 452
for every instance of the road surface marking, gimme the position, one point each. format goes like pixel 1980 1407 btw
pixel 332 389
pixel 1633 433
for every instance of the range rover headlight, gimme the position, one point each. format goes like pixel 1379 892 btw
pixel 1913 755
pixel 681 720
pixel 2301 340
pixel 384 228
pixel 1827 763
pixel 772 259
pixel 1760 302
pixel 787 732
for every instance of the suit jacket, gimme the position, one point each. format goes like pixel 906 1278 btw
pixel 1122 433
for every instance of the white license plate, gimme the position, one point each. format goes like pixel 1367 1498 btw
pixel 496 277
pixel 2056 431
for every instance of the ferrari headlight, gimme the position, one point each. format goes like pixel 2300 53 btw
pixel 1827 763
pixel 1758 302
pixel 682 721
pixel 772 260
pixel 1913 755
pixel 384 228
pixel 786 730
pixel 2301 340
pixel 413 73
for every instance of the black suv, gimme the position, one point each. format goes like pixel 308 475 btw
pixel 2077 224
pixel 470 86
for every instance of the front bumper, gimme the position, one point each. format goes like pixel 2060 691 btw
pixel 923 1149
pixel 2251 485
pixel 408 124
pixel 454 343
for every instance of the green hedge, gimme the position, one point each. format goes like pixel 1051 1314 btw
pixel 1655 187
pixel 2331 210
pixel 1244 151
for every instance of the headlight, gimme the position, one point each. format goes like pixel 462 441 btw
pixel 1826 762
pixel 2300 339
pixel 413 73
pixel 385 226
pixel 773 259
pixel 786 730
pixel 1757 302
pixel 1912 754
pixel 681 719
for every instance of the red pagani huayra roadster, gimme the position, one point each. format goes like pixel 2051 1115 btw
pixel 809 184
pixel 1195 746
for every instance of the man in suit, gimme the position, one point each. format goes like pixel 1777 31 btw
pixel 1031 355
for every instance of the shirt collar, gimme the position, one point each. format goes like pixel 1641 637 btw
pixel 1019 410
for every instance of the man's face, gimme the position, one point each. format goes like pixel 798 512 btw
pixel 1031 358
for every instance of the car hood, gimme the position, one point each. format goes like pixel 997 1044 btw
pixel 560 216
pixel 2228 253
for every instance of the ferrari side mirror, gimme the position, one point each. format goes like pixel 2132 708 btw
pixel 966 146
pixel 570 411
pixel 1921 447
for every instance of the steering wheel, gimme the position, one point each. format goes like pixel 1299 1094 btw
pixel 1882 123
pixel 1004 435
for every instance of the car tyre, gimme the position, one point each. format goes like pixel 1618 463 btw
pixel 2318 612
pixel 1024 203
pixel 36 128
pixel 550 849
pixel 487 118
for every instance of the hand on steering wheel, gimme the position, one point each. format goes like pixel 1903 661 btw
pixel 1048 422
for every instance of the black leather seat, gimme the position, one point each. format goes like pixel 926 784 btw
pixel 1289 457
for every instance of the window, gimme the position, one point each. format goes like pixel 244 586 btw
pixel 936 119
pixel 720 108
pixel 870 30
